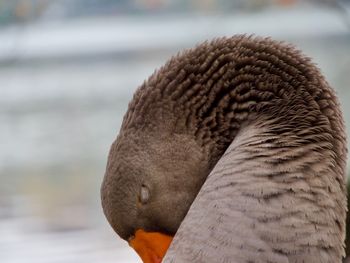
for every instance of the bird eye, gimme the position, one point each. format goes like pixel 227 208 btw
pixel 144 194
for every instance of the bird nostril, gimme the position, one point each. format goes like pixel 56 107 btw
pixel 130 238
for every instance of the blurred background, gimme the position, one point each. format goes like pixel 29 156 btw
pixel 67 71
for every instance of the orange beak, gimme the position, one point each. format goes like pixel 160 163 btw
pixel 151 246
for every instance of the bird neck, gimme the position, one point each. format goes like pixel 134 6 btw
pixel 270 196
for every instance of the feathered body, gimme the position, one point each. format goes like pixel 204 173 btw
pixel 253 128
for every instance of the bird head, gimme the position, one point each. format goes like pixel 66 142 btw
pixel 150 182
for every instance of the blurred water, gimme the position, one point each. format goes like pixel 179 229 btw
pixel 58 122
pixel 21 245
pixel 59 116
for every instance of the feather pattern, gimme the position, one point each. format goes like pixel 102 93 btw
pixel 253 126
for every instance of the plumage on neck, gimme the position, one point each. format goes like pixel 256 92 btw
pixel 266 200
pixel 209 91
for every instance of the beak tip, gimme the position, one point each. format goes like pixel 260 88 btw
pixel 150 246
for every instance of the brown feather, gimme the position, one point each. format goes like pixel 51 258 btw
pixel 257 117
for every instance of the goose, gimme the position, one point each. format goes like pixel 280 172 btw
pixel 233 151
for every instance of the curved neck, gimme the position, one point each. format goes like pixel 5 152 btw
pixel 270 197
